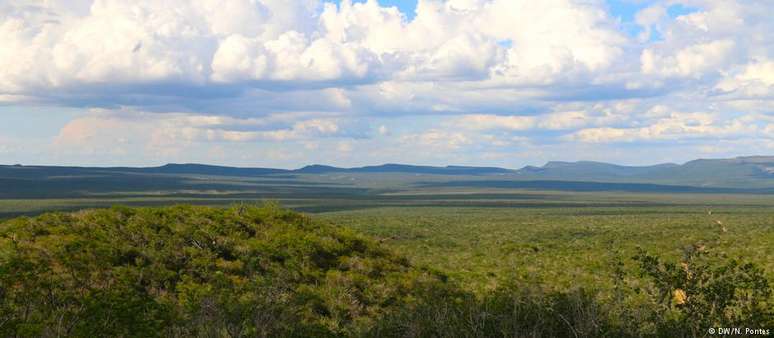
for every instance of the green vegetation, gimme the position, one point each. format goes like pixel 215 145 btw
pixel 482 251
pixel 249 271
pixel 193 271
pixel 702 292
pixel 560 247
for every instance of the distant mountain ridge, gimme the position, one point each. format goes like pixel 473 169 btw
pixel 205 169
pixel 404 168
pixel 740 172
pixel 594 168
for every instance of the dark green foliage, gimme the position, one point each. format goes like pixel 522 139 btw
pixel 194 271
pixel 720 293
pixel 248 271
pixel 509 311
pixel 705 290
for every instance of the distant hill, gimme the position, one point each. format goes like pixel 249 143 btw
pixel 213 170
pixel 742 175
pixel 189 271
pixel 203 169
pixel 22 171
pixel 403 168
pixel 741 172
pixel 594 170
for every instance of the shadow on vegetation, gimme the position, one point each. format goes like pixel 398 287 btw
pixel 589 187
pixel 246 271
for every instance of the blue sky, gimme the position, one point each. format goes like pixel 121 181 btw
pixel 470 82
pixel 624 9
pixel 408 7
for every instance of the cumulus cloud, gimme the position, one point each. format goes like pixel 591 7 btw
pixel 489 122
pixel 753 80
pixel 124 132
pixel 691 61
pixel 548 121
pixel 435 140
pixel 265 42
pixel 714 39
pixel 676 126
pixel 169 76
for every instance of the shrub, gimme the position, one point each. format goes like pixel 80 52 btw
pixel 706 290
pixel 249 271
pixel 194 271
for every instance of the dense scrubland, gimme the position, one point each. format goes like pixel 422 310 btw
pixel 562 245
pixel 247 271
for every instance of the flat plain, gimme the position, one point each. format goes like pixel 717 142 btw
pixel 481 236
pixel 513 252
pixel 478 225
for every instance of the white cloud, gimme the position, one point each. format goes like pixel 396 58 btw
pixel 122 132
pixel 300 130
pixel 435 140
pixel 488 122
pixel 548 121
pixel 564 120
pixel 648 17
pixel 714 39
pixel 676 126
pixel 506 74
pixel 761 72
pixel 692 61
pixel 345 146
pixel 753 80
pixel 209 43
pixel 604 134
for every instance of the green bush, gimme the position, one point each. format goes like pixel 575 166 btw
pixel 706 290
pixel 714 291
pixel 194 271
pixel 508 311
pixel 249 271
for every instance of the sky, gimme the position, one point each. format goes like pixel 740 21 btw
pixel 278 83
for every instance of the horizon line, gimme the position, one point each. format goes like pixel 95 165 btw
pixel 373 165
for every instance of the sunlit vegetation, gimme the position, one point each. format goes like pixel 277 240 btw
pixel 560 247
pixel 192 271
pixel 247 271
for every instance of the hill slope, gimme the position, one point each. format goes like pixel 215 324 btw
pixel 741 172
pixel 267 272
pixel 194 271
